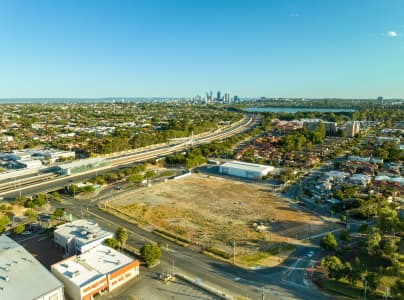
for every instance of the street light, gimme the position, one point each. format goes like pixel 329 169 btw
pixel 366 285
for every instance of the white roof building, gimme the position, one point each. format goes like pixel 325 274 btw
pixel 79 236
pixel 22 277
pixel 95 272
pixel 243 169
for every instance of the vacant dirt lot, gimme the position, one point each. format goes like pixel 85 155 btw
pixel 214 211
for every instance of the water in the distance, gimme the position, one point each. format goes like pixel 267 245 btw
pixel 293 110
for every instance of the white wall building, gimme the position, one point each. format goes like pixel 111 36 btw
pixel 22 277
pixel 95 272
pixel 243 169
pixel 80 236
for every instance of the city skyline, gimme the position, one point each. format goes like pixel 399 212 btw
pixel 297 49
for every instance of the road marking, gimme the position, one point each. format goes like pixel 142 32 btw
pixel 293 267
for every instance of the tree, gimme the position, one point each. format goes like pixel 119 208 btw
pixel 373 243
pixel 56 196
pixel 335 268
pixel 149 174
pixel 356 272
pixel 388 220
pixel 111 242
pixel 4 220
pixel 390 247
pixel 31 214
pixel 398 289
pixel 19 228
pixel 40 200
pixel 373 280
pixel 150 253
pixel 58 213
pixel 344 235
pixel 328 242
pixel 122 235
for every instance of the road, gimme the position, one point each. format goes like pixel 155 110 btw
pixel 282 282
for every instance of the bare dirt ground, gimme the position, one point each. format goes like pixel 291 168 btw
pixel 214 211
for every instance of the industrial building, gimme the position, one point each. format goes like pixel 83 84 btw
pixel 243 169
pixel 22 277
pixel 53 155
pixel 95 272
pixel 79 236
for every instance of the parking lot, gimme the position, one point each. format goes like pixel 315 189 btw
pixel 148 286
pixel 41 246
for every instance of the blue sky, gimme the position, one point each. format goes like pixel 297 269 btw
pixel 274 48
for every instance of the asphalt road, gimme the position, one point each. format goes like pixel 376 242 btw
pixel 282 282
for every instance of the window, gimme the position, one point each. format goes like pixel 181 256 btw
pixel 54 297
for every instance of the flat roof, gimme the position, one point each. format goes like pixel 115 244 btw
pixel 247 166
pixel 82 230
pixel 91 265
pixel 21 275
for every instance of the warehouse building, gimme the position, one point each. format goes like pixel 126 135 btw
pixel 79 236
pixel 98 271
pixel 22 277
pixel 243 169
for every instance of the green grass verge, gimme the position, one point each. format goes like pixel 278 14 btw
pixel 346 290
pixel 252 260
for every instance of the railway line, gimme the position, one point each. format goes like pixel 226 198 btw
pixel 52 181
pixel 21 183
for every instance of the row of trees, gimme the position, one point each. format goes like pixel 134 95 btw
pixel 374 259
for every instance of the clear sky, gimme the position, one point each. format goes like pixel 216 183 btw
pixel 273 48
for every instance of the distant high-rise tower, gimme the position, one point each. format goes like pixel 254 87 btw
pixel 218 96
pixel 380 100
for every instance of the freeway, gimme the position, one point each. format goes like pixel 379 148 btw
pixel 121 160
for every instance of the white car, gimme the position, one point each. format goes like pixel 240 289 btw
pixel 26 232
pixel 310 254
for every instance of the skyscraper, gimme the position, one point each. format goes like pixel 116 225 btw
pixel 218 96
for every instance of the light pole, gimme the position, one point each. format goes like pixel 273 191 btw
pixel 366 285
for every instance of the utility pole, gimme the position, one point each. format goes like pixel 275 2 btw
pixel 262 294
pixel 234 252
pixel 312 271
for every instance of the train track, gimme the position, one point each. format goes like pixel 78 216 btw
pixel 43 180
pixel 21 183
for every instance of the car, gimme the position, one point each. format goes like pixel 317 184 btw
pixel 310 254
pixel 26 232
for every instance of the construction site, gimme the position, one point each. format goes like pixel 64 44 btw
pixel 218 213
